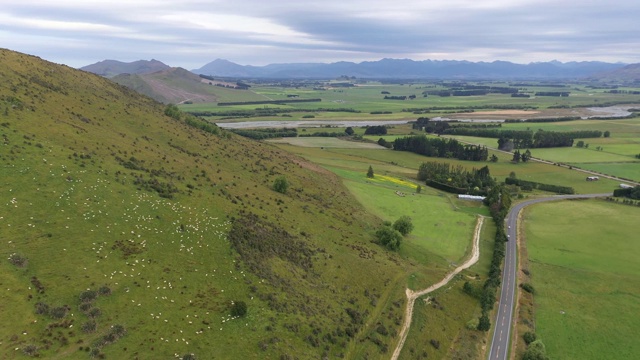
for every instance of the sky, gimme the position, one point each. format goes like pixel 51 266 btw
pixel 191 33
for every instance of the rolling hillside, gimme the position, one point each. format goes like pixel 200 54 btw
pixel 627 74
pixel 110 68
pixel 177 86
pixel 128 233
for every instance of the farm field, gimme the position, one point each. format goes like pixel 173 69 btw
pixel 405 164
pixel 583 263
pixel 443 227
pixel 365 101
pixel 443 224
pixel 616 155
pixel 439 227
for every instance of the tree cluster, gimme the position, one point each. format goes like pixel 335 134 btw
pixel 524 157
pixel 390 235
pixel 438 147
pixel 431 127
pixel 376 130
pixel 455 179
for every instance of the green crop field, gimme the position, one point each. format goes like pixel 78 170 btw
pixel 583 258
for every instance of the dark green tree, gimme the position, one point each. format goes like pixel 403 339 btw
pixel 516 156
pixel 389 237
pixel 172 110
pixel 607 134
pixel 471 290
pixel 484 324
pixel 349 131
pixel 535 351
pixel 526 156
pixel 239 308
pixel 418 189
pixel 403 225
pixel 529 337
pixel 580 143
pixel 370 172
pixel 281 185
pixel 493 158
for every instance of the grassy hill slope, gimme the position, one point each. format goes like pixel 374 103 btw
pixel 127 233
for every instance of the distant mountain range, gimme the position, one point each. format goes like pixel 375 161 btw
pixel 410 69
pixel 110 68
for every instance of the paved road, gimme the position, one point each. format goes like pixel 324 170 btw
pixel 500 342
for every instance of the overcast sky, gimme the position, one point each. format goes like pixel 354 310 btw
pixel 191 33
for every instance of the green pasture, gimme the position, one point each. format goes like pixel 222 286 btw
pixel 619 128
pixel 405 164
pixel 584 266
pixel 578 155
pixel 616 155
pixel 439 227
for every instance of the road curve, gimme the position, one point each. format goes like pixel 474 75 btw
pixel 502 324
pixel 413 295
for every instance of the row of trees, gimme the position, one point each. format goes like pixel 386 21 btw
pixel 498 200
pixel 632 193
pixel 259 134
pixel 530 185
pixel 525 138
pixel 438 147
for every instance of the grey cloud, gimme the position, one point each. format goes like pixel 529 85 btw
pixel 519 31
